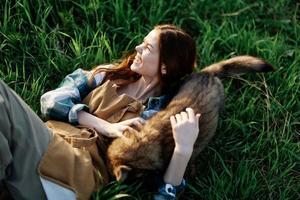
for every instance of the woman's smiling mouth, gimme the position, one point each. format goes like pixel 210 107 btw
pixel 137 59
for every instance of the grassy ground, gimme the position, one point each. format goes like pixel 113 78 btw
pixel 255 154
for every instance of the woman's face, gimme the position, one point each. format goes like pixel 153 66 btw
pixel 147 58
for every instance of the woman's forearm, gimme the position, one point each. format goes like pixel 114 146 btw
pixel 185 128
pixel 87 119
pixel 175 171
pixel 106 128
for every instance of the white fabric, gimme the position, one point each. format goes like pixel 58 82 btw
pixel 56 192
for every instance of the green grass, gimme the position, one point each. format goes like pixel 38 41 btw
pixel 256 151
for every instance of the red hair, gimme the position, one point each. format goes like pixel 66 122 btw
pixel 177 52
pixel 178 55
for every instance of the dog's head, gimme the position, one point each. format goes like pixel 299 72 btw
pixel 134 155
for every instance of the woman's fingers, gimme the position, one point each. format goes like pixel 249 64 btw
pixel 129 121
pixel 184 116
pixel 173 121
pixel 138 125
pixel 118 134
pixel 191 113
pixel 133 120
pixel 130 129
pixel 198 116
pixel 121 131
pixel 178 118
pixel 142 121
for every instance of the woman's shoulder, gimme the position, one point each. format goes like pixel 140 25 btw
pixel 103 66
pixel 100 76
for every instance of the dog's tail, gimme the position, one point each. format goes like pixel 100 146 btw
pixel 238 65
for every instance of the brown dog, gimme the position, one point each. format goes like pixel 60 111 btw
pixel 152 147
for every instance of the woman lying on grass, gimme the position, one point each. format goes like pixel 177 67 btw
pixel 39 162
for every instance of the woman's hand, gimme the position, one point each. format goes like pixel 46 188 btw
pixel 109 129
pixel 185 127
pixel 116 129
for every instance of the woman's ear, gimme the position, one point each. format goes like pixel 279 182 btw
pixel 163 69
pixel 121 172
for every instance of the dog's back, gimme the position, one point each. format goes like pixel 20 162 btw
pixel 152 147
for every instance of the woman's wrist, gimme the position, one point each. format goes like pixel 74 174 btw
pixel 179 160
pixel 104 128
pixel 183 150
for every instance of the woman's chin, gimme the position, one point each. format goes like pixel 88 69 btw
pixel 136 67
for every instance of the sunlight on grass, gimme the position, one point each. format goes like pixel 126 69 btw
pixel 255 154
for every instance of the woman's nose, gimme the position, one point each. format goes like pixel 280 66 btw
pixel 139 48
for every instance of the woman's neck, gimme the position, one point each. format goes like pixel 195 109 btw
pixel 148 87
pixel 142 88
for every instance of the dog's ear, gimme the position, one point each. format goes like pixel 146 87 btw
pixel 121 172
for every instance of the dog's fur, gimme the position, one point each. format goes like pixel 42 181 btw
pixel 152 147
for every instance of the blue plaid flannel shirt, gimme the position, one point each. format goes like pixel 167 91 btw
pixel 65 102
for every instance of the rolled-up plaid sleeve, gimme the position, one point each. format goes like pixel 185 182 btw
pixel 65 102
